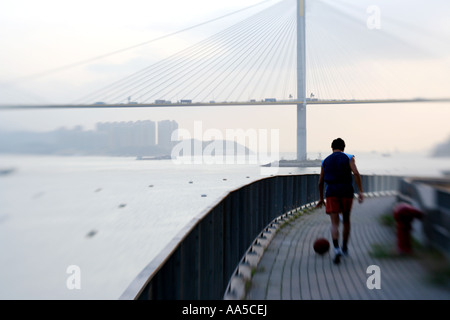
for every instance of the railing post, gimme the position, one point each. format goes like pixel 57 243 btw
pixel 303 190
pixel 190 266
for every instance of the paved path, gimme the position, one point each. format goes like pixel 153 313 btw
pixel 290 269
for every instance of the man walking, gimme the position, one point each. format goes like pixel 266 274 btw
pixel 336 172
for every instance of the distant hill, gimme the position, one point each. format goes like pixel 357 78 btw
pixel 442 149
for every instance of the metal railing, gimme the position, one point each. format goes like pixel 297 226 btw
pixel 199 263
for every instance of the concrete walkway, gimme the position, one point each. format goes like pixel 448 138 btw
pixel 291 270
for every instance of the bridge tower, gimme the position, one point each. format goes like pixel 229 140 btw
pixel 301 81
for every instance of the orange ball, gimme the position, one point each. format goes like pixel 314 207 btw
pixel 321 245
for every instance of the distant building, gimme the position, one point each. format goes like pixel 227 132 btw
pixel 165 129
pixel 132 138
pixel 145 133
pixel 130 134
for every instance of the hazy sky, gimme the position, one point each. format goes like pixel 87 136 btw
pixel 38 36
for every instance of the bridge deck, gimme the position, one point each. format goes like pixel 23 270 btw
pixel 291 270
pixel 101 105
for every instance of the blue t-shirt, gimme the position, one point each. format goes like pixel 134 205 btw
pixel 338 175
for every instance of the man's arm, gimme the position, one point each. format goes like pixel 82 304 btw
pixel 357 179
pixel 321 189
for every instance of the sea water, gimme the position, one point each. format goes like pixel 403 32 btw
pixel 110 216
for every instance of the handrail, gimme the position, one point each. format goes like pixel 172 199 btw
pixel 199 262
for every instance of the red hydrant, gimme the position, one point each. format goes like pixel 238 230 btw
pixel 404 215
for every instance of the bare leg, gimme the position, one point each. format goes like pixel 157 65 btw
pixel 334 227
pixel 335 236
pixel 346 230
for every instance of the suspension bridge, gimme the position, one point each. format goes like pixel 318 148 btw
pixel 285 54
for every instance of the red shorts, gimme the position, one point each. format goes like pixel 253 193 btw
pixel 338 205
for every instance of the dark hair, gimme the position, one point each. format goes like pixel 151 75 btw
pixel 338 144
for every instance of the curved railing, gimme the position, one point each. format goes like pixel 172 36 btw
pixel 199 263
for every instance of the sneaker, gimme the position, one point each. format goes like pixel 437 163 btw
pixel 337 255
pixel 345 252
